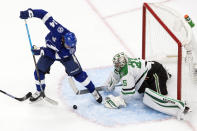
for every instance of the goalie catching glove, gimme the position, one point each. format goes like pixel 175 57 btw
pixel 113 102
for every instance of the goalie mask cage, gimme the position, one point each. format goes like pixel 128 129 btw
pixel 164 33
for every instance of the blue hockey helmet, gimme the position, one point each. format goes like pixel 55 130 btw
pixel 70 40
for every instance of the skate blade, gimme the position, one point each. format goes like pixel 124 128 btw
pixel 37 101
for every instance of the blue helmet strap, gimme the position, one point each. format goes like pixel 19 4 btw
pixel 66 46
pixel 63 40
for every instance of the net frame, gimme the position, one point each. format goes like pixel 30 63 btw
pixel 147 7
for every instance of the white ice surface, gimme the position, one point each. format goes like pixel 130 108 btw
pixel 103 28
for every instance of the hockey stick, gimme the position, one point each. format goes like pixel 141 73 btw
pixel 84 91
pixel 19 99
pixel 99 88
pixel 72 85
pixel 42 94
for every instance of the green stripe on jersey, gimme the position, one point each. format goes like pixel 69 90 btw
pixel 127 93
pixel 167 98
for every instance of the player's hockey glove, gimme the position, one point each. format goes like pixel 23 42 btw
pixel 26 14
pixel 113 102
pixel 37 50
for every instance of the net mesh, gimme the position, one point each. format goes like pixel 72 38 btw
pixel 160 45
pixel 158 42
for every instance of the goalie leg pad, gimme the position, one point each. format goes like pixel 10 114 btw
pixel 162 103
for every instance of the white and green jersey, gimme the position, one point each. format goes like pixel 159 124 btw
pixel 133 74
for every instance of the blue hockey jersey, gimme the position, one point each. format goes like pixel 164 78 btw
pixel 54 47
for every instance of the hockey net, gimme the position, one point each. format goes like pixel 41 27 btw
pixel 165 33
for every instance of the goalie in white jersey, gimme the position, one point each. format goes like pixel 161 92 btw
pixel 140 76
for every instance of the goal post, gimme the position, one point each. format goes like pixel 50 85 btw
pixel 149 11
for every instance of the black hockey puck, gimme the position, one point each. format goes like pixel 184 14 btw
pixel 74 106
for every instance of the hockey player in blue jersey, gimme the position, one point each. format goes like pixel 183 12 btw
pixel 60 46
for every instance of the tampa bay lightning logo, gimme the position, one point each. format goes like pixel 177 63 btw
pixel 60 29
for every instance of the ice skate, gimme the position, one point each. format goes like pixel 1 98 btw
pixel 169 75
pixel 97 96
pixel 182 114
pixel 37 96
pixel 187 108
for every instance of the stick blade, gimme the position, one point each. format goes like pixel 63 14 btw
pixel 85 91
pixel 51 101
pixel 27 96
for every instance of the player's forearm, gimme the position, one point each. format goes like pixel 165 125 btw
pixel 39 13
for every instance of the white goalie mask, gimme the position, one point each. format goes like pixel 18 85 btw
pixel 119 60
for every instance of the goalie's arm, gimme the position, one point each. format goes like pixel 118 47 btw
pixel 128 89
pixel 113 79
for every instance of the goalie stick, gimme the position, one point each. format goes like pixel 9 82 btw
pixel 53 102
pixel 29 94
pixel 42 94
pixel 84 91
pixel 99 88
